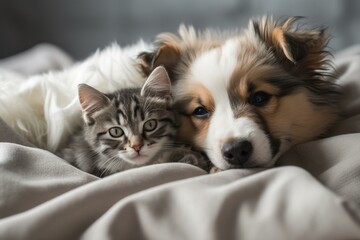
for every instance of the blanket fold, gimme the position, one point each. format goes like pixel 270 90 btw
pixel 313 193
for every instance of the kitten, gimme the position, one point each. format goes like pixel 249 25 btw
pixel 128 128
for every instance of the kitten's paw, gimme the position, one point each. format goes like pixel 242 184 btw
pixel 189 159
pixel 198 161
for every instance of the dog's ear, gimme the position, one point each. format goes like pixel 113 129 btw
pixel 299 45
pixel 167 55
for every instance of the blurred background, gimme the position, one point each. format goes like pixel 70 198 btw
pixel 81 26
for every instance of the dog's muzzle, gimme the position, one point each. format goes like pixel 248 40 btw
pixel 237 152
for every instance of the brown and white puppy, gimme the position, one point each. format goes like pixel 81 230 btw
pixel 247 96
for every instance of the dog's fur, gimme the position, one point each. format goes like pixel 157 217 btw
pixel 247 96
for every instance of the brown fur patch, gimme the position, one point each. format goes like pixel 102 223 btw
pixel 278 37
pixel 199 97
pixel 167 55
pixel 304 47
pixel 294 118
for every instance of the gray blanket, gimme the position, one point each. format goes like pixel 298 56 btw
pixel 313 193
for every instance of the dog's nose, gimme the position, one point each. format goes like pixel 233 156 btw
pixel 237 152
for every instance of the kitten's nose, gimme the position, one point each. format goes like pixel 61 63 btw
pixel 136 147
pixel 136 143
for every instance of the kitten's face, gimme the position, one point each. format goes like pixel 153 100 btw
pixel 130 125
pixel 133 128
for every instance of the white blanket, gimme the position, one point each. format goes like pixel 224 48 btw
pixel 42 197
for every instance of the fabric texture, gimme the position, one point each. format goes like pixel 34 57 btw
pixel 313 193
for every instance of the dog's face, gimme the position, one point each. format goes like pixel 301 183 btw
pixel 245 98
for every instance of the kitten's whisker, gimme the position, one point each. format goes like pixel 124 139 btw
pixel 109 160
pixel 107 166
pixel 104 164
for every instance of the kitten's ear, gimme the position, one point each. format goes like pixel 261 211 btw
pixel 91 101
pixel 158 84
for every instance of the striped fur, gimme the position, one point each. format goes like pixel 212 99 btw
pixel 126 129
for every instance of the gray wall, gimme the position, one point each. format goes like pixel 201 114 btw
pixel 82 26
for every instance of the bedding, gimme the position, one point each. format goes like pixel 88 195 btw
pixel 312 193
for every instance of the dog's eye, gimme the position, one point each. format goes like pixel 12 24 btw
pixel 259 99
pixel 201 112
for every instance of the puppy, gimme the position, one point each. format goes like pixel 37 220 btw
pixel 247 96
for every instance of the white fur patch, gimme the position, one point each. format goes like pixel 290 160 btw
pixel 213 69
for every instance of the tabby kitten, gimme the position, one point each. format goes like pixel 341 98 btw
pixel 128 128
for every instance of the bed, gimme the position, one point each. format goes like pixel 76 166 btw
pixel 312 193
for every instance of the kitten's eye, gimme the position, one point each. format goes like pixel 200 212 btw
pixel 150 125
pixel 201 112
pixel 259 99
pixel 116 132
